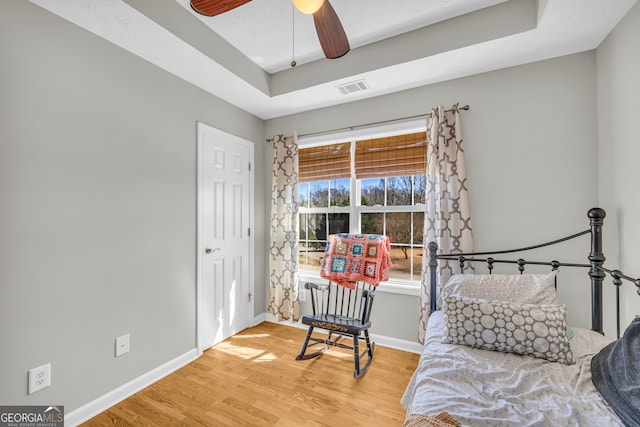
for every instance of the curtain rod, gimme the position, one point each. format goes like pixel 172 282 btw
pixel 454 108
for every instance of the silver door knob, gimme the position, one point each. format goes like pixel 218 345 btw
pixel 210 251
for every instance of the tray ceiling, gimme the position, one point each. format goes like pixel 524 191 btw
pixel 243 56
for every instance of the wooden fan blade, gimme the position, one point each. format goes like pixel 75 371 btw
pixel 332 37
pixel 215 7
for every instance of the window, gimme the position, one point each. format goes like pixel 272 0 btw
pixel 382 191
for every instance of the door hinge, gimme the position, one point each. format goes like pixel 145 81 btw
pixel 250 296
pixel 249 166
pixel 249 231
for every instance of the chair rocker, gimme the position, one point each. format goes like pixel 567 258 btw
pixel 343 312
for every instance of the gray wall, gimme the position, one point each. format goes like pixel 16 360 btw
pixel 98 207
pixel 618 62
pixel 531 151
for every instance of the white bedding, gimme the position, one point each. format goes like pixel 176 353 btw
pixel 489 388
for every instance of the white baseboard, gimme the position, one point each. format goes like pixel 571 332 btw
pixel 398 344
pixel 383 340
pixel 106 401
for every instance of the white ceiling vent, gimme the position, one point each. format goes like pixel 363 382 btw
pixel 353 87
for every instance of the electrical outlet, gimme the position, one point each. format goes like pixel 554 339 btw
pixel 39 378
pixel 122 345
pixel 302 295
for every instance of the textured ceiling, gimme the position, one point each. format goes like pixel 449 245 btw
pixel 243 55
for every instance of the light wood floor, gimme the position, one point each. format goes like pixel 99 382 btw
pixel 253 379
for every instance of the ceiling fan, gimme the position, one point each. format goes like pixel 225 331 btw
pixel 331 35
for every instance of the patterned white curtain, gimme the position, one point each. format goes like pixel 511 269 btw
pixel 447 213
pixel 284 302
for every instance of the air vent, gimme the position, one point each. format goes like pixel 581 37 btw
pixel 353 87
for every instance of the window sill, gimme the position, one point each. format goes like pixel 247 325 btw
pixel 386 287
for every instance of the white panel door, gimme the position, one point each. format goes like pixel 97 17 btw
pixel 225 305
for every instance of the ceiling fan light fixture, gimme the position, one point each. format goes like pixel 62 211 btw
pixel 308 7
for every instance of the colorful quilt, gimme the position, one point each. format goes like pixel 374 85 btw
pixel 351 258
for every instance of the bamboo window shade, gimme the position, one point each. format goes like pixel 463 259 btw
pixel 324 162
pixel 399 155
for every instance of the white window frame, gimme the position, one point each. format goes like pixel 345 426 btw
pixel 398 286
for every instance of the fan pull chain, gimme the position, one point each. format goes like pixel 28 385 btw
pixel 293 36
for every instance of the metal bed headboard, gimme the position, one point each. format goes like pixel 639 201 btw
pixel 597 272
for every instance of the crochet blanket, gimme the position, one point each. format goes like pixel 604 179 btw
pixel 443 419
pixel 351 258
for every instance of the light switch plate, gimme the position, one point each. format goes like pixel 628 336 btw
pixel 122 345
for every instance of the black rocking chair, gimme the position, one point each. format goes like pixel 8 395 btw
pixel 342 312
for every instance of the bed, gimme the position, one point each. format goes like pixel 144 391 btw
pixel 498 350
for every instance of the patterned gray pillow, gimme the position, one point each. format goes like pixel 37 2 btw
pixel 522 288
pixel 528 329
